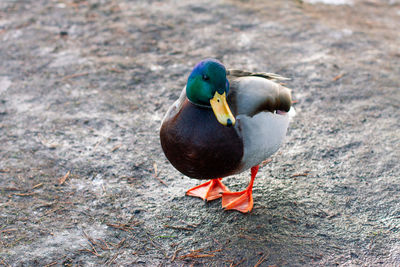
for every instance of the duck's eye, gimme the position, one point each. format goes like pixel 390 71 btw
pixel 205 77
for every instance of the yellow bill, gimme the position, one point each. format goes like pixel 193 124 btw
pixel 221 110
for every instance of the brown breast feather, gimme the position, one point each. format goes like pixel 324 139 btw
pixel 198 146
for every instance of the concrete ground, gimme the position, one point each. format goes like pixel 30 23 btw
pixel 84 85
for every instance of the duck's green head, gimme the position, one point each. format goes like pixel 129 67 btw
pixel 207 86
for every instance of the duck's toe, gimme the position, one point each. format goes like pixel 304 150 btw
pixel 240 201
pixel 210 190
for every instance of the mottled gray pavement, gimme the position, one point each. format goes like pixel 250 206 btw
pixel 83 88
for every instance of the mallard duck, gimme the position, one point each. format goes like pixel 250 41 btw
pixel 225 122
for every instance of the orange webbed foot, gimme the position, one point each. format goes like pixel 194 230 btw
pixel 241 201
pixel 210 190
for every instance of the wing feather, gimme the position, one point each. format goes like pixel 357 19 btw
pixel 252 93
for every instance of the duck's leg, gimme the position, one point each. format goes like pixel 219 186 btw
pixel 210 190
pixel 243 200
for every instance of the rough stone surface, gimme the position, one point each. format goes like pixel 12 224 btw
pixel 83 88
